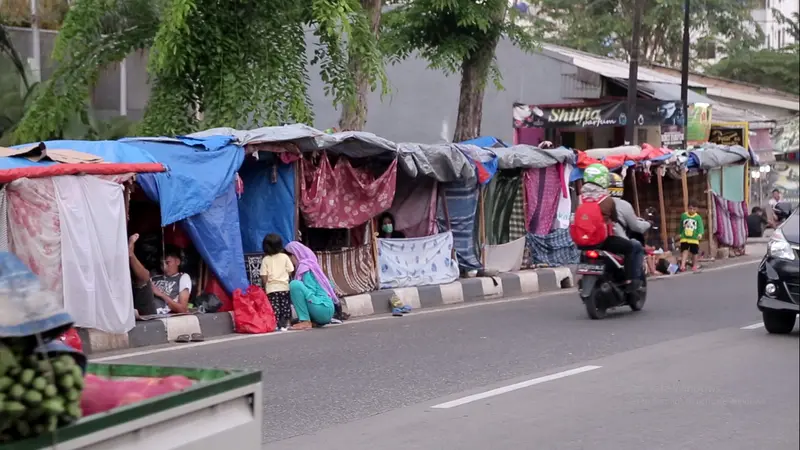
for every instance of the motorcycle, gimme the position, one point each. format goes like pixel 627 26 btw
pixel 602 286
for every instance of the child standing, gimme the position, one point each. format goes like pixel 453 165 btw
pixel 691 232
pixel 276 269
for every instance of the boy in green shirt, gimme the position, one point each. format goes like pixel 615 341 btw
pixel 691 232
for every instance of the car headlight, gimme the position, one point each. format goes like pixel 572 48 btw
pixel 778 248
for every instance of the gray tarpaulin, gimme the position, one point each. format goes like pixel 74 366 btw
pixel 354 144
pixel 444 162
pixel 530 157
pixel 711 156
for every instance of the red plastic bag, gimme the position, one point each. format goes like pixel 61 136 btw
pixel 252 312
pixel 72 339
pixel 102 394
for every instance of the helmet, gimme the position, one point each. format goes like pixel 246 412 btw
pixel 616 185
pixel 596 174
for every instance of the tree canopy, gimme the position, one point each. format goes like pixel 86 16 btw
pixel 777 69
pixel 457 36
pixel 236 63
pixel 604 27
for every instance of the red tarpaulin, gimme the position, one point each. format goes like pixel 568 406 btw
pixel 55 170
pixel 614 161
pixel 343 196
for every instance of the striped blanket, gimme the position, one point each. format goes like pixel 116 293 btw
pixel 462 204
pixel 730 221
pixel 542 189
pixel 351 270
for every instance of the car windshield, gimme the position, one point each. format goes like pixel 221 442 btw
pixel 791 228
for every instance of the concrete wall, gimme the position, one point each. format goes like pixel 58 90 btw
pixel 422 106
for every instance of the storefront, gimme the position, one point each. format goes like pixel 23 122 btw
pixel 599 124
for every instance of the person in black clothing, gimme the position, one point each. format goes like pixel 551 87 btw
pixel 387 228
pixel 756 222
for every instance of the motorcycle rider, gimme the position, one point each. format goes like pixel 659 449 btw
pixel 628 224
pixel 596 181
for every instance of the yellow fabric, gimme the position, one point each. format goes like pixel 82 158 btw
pixel 277 269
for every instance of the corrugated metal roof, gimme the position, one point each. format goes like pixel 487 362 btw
pixel 607 67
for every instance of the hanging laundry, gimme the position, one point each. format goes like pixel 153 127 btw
pixel 542 189
pixel 343 196
pixel 416 262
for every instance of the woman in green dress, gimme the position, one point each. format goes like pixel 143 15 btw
pixel 311 292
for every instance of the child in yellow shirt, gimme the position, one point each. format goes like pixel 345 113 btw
pixel 276 270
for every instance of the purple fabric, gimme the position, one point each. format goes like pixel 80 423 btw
pixel 542 188
pixel 307 262
pixel 414 206
pixel 738 217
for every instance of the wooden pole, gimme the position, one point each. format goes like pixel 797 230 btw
pixel 482 225
pixel 721 182
pixel 635 193
pixel 662 208
pixel 373 224
pixel 685 188
pixel 298 175
pixel 746 185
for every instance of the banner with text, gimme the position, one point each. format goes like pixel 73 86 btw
pixel 610 114
pixel 698 127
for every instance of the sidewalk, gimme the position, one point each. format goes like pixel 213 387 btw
pixel 464 290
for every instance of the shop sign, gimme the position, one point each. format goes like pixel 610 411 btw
pixel 727 136
pixel 699 125
pixel 610 114
pixel 671 136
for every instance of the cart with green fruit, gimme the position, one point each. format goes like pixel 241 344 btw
pixel 51 398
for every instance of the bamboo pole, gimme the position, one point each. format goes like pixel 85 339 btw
pixel 373 224
pixel 685 189
pixel 746 185
pixel 721 182
pixel 635 193
pixel 661 207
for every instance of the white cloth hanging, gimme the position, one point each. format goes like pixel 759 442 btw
pixel 94 253
pixel 564 208
pixel 3 220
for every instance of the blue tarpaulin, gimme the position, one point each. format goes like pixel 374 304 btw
pixel 486 141
pixel 111 152
pixel 199 171
pixel 266 207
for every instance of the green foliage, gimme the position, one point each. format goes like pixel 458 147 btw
pixel 448 33
pixel 604 27
pixel 774 69
pixel 212 64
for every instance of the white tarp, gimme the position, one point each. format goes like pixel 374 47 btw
pixel 505 257
pixel 417 261
pixel 94 253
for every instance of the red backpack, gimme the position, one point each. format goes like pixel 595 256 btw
pixel 589 227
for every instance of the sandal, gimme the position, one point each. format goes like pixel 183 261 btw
pixel 183 338
pixel 197 337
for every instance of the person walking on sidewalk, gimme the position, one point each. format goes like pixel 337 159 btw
pixel 691 232
pixel 311 292
pixel 276 270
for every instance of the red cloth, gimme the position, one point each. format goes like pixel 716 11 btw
pixel 101 394
pixel 174 235
pixel 483 175
pixel 213 287
pixel 342 196
pixel 614 161
pixel 9 175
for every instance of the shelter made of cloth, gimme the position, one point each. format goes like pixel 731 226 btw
pixel 343 196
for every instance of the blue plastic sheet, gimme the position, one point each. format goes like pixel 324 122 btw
pixel 199 171
pixel 486 141
pixel 266 207
pixel 462 205
pixel 215 234
pixel 110 151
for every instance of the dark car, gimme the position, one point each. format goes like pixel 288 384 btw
pixel 779 277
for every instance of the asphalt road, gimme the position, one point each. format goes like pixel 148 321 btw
pixel 681 374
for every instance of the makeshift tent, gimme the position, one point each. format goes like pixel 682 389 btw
pixel 267 204
pixel 199 192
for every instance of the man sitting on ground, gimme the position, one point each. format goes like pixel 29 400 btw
pixel 160 294
pixel 756 222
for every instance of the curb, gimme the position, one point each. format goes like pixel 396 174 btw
pixel 464 290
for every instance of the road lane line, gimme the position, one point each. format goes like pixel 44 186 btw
pixel 754 326
pixel 514 387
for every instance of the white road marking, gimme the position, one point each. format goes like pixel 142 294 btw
pixel 754 326
pixel 524 297
pixel 514 387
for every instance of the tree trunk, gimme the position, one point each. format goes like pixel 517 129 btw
pixel 354 113
pixel 474 76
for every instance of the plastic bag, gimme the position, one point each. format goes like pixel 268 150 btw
pixel 252 312
pixel 103 394
pixel 72 339
pixel 208 303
